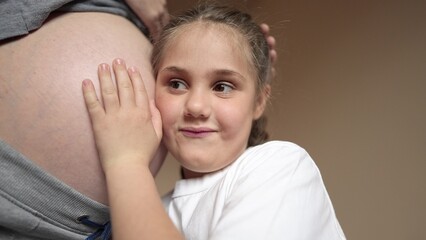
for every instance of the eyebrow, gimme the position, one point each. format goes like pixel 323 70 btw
pixel 173 69
pixel 217 72
pixel 229 73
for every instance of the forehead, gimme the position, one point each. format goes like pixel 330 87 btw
pixel 221 30
pixel 210 40
pixel 215 33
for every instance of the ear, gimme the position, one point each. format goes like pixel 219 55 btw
pixel 261 101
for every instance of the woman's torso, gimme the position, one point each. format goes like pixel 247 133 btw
pixel 42 113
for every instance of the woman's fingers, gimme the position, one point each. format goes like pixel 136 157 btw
pixel 273 55
pixel 271 42
pixel 272 52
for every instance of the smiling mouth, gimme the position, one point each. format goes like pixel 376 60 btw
pixel 196 132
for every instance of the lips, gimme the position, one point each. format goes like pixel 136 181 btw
pixel 199 132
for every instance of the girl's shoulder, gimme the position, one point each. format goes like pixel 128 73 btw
pixel 277 145
pixel 280 160
pixel 279 183
pixel 281 152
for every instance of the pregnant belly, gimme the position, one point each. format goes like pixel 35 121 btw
pixel 42 113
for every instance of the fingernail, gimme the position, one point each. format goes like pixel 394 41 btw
pixel 104 67
pixel 86 82
pixel 133 69
pixel 118 61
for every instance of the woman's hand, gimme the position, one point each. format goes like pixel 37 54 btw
pixel 272 52
pixel 127 126
pixel 153 13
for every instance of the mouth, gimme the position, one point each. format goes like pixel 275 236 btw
pixel 199 132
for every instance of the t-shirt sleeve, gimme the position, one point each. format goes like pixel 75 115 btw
pixel 278 194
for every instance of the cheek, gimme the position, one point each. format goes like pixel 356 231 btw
pixel 235 119
pixel 167 109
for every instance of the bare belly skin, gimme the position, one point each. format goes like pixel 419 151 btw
pixel 42 112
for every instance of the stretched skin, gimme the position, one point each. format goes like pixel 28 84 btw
pixel 51 126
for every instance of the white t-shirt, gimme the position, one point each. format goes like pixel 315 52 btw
pixel 272 191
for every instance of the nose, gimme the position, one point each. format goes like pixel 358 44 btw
pixel 198 105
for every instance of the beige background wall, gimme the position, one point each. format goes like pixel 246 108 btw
pixel 351 89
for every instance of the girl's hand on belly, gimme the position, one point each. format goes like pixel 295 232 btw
pixel 127 126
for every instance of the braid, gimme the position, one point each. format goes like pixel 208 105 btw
pixel 258 134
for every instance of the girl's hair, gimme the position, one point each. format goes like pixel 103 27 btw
pixel 239 22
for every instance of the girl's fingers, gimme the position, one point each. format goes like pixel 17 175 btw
pixel 141 96
pixel 93 105
pixel 130 90
pixel 108 90
pixel 156 119
pixel 124 84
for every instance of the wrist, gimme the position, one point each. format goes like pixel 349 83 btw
pixel 124 164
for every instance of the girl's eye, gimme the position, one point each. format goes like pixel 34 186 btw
pixel 223 87
pixel 177 84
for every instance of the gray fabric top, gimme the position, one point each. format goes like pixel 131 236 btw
pixel 32 190
pixel 19 17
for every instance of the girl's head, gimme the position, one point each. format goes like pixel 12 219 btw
pixel 211 65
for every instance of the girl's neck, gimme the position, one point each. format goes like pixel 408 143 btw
pixel 187 174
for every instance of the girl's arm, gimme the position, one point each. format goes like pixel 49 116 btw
pixel 127 130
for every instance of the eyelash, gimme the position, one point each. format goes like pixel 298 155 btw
pixel 175 81
pixel 176 84
pixel 225 85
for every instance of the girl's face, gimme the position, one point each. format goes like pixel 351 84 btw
pixel 206 94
